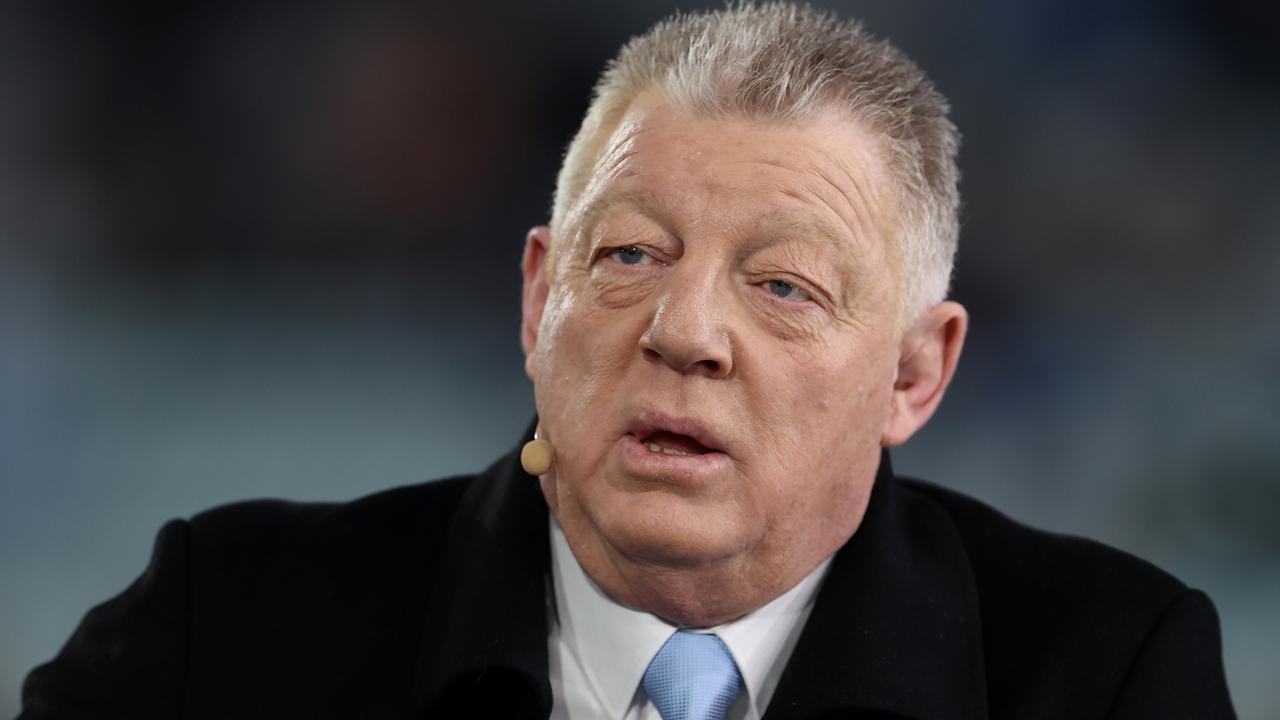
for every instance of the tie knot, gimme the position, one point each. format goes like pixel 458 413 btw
pixel 693 677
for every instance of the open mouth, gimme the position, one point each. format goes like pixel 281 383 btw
pixel 670 449
pixel 670 443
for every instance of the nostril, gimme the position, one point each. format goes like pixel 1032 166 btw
pixel 687 356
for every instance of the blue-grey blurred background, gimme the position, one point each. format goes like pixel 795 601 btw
pixel 250 249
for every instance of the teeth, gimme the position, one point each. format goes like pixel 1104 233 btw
pixel 655 447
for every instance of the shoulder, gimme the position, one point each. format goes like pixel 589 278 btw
pixel 997 543
pixel 1060 612
pixel 276 539
pixel 274 569
pixel 241 591
pixel 1010 558
pixel 373 520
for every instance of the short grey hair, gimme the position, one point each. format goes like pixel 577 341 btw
pixel 780 61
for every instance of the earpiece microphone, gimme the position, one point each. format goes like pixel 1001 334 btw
pixel 536 456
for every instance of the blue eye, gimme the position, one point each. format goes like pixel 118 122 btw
pixel 785 290
pixel 629 255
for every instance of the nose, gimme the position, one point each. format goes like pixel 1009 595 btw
pixel 688 331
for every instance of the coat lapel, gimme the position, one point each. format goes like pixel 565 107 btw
pixel 895 628
pixel 484 647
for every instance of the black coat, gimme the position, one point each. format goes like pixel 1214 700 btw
pixel 430 601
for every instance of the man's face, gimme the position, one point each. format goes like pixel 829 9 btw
pixel 715 357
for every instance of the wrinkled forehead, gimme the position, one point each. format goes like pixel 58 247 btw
pixel 823 173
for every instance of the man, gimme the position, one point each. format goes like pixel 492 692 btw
pixel 739 304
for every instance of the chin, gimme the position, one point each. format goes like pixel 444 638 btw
pixel 663 529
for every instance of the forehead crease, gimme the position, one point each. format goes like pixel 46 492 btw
pixel 619 148
pixel 612 161
pixel 853 200
pixel 859 203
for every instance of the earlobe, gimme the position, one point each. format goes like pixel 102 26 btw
pixel 929 354
pixel 533 265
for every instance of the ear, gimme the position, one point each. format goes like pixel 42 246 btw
pixel 536 287
pixel 928 356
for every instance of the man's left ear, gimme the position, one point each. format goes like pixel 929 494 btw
pixel 927 360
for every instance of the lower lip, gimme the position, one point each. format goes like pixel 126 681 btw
pixel 683 469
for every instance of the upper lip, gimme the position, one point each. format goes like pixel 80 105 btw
pixel 647 423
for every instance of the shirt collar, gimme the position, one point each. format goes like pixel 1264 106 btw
pixel 761 642
pixel 613 643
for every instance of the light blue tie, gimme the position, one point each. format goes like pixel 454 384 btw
pixel 693 677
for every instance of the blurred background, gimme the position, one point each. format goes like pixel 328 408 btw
pixel 257 249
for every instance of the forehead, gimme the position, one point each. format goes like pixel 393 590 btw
pixel 823 174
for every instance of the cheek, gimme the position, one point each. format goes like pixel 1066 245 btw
pixel 580 356
pixel 563 339
pixel 835 379
pixel 550 363
pixel 837 410
pixel 833 446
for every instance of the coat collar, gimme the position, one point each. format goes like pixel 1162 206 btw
pixel 895 627
pixel 484 648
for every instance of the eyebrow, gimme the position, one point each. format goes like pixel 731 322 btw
pixel 801 225
pixel 793 225
pixel 785 224
pixel 646 202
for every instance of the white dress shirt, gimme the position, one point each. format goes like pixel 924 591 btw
pixel 598 649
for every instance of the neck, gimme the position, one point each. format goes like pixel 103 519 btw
pixel 694 596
